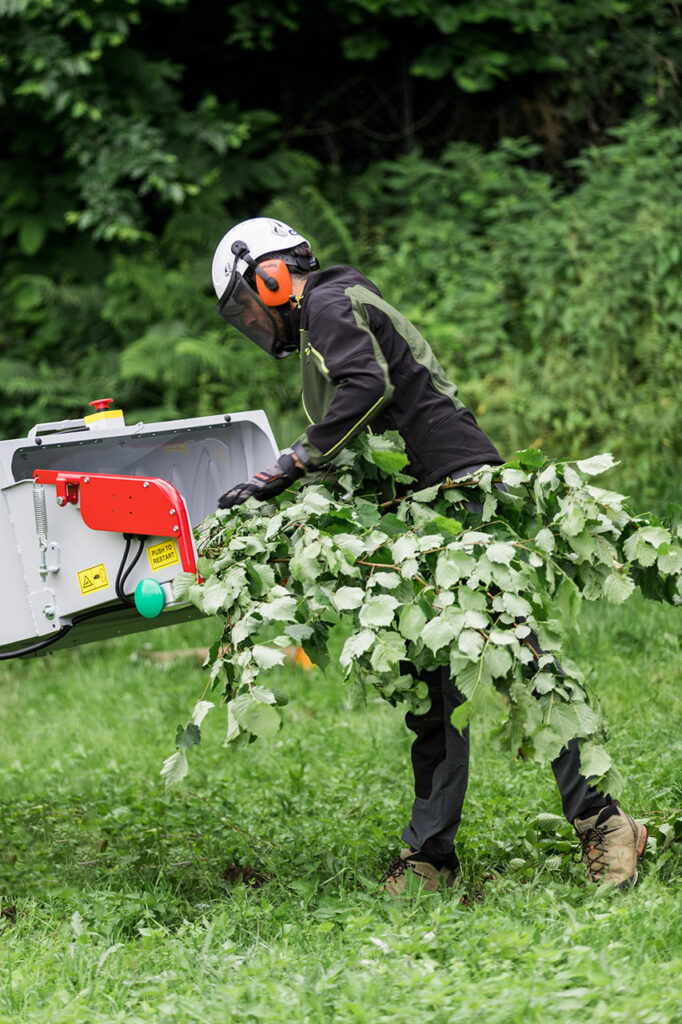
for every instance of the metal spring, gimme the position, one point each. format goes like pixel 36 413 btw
pixel 40 509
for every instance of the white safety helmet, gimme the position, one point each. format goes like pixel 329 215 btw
pixel 255 298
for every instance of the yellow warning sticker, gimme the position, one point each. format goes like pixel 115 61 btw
pixel 95 578
pixel 163 554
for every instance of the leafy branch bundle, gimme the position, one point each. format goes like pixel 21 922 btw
pixel 483 576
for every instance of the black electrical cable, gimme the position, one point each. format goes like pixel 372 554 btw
pixel 92 614
pixel 128 571
pixel 117 585
pixel 121 577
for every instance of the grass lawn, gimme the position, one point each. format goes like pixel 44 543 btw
pixel 122 902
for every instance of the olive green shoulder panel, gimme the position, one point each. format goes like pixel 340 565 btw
pixel 422 353
pixel 317 389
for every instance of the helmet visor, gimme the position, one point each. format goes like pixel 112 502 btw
pixel 242 308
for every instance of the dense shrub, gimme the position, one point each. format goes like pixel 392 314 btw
pixel 559 314
pixel 557 311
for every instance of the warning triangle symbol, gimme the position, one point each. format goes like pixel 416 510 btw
pixel 87 582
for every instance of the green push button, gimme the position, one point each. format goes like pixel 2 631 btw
pixel 149 598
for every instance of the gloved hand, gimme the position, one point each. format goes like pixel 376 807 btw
pixel 266 483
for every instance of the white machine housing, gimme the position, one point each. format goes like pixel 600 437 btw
pixel 55 571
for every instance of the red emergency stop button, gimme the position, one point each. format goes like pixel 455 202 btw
pixel 101 404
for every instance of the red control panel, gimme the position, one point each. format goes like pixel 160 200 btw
pixel 126 504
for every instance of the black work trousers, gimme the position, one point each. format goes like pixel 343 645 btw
pixel 440 762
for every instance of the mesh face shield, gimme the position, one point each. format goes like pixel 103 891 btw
pixel 241 307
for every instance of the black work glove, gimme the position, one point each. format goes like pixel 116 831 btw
pixel 265 484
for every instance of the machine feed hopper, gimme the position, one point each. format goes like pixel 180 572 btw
pixel 97 518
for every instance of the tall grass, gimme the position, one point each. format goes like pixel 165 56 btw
pixel 112 892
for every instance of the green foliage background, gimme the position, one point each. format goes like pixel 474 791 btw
pixel 513 182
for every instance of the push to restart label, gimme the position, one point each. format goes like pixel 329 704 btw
pixel 161 555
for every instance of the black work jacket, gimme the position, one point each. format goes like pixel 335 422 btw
pixel 364 363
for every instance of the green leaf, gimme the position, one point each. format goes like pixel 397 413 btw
pixel 388 650
pixel 472 600
pixel 262 720
pixel 349 544
pixel 181 584
pixel 187 737
pixel 503 637
pixel 262 694
pixel 572 522
pixel 563 717
pixel 472 677
pixel 470 643
pixel 498 661
pixel 583 543
pixel 389 580
pixel 618 588
pixel 427 494
pixel 597 464
pixel 669 559
pixel 515 605
pixel 437 633
pixel 282 609
pixel 233 729
pixel 655 535
pixel 453 566
pixel 545 540
pixel 501 553
pixel 390 462
pixel 530 458
pixel 347 598
pixel 391 525
pixel 448 526
pixel 174 768
pixel 403 548
pixel 475 619
pixel 313 502
pixel 547 744
pixel 594 760
pixel 267 657
pixel 549 635
pixel 588 720
pixel 201 709
pixel 305 564
pixel 378 610
pixel 215 594
pixel 298 631
pixel 412 621
pixel 262 574
pixel 366 513
pixel 355 646
pixel 459 718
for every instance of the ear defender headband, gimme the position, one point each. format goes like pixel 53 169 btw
pixel 277 272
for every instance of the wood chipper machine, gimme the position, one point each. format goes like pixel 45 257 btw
pixel 97 518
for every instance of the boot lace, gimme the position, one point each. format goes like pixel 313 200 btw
pixel 593 850
pixel 395 870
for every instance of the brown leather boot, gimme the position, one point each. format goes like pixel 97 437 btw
pixel 612 843
pixel 410 872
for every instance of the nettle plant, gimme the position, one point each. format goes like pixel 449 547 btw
pixel 483 576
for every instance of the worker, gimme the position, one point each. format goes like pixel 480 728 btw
pixel 364 364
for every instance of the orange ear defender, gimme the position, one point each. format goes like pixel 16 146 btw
pixel 275 271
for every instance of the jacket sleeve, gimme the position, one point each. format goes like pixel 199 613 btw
pixel 346 354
